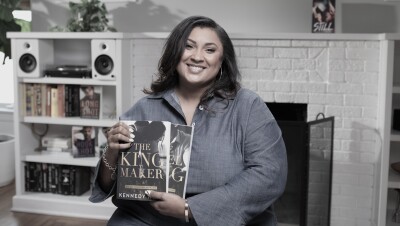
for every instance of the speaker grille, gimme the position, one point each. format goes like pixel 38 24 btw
pixel 27 63
pixel 103 64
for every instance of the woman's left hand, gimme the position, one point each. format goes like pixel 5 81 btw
pixel 168 204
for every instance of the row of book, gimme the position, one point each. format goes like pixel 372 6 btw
pixel 57 179
pixel 61 100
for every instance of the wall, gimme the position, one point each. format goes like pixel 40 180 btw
pixel 236 16
pixel 337 78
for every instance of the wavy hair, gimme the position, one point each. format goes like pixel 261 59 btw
pixel 225 86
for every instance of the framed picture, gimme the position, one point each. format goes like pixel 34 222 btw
pixel 323 16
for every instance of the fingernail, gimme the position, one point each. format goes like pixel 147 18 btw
pixel 130 129
pixel 131 140
pixel 132 135
pixel 147 192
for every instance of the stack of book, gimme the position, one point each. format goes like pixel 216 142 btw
pixel 53 144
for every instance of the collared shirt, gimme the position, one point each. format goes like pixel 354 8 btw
pixel 238 164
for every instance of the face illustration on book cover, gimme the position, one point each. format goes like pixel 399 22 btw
pixel 143 166
pixel 179 158
pixel 323 16
pixel 90 102
pixel 83 141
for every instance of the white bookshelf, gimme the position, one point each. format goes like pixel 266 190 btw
pixel 120 94
pixel 389 179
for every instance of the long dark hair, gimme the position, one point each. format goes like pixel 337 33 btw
pixel 226 84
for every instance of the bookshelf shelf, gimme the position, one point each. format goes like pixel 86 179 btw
pixel 37 202
pixel 71 81
pixel 114 88
pixel 69 121
pixel 62 158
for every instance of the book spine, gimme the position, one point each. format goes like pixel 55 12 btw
pixel 28 99
pixel 73 173
pixel 61 100
pixel 54 102
pixel 67 100
pixel 38 100
pixel 75 98
pixel 44 99
pixel 48 100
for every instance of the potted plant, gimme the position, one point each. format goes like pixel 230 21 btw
pixel 88 15
pixel 7 23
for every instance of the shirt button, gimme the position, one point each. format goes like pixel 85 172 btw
pixel 201 107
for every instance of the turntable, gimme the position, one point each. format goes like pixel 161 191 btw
pixel 69 71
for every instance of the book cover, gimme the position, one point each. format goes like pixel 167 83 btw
pixel 181 146
pixel 323 16
pixel 90 102
pixel 144 166
pixel 83 141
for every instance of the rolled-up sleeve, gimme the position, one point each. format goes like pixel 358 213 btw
pixel 98 195
pixel 259 184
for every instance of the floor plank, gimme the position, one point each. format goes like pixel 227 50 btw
pixel 9 218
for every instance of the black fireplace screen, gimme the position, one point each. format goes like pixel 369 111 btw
pixel 307 196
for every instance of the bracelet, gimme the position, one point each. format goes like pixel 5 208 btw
pixel 186 211
pixel 113 169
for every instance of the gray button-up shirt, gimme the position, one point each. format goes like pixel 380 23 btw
pixel 238 163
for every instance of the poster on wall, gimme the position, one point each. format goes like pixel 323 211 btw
pixel 323 16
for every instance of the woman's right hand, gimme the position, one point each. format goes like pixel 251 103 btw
pixel 120 136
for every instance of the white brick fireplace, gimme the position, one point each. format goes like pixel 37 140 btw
pixel 337 75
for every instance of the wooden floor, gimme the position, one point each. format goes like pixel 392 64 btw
pixel 9 218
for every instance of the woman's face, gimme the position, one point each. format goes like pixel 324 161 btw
pixel 201 60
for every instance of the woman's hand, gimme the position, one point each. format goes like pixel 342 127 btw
pixel 168 204
pixel 120 136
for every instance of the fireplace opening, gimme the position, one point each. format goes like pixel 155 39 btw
pixel 309 148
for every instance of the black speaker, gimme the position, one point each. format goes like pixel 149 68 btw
pixel 104 64
pixel 396 119
pixel 27 63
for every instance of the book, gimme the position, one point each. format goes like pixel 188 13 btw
pixel 61 100
pixel 72 101
pixel 29 99
pixel 56 141
pixel 323 16
pixel 146 164
pixel 83 141
pixel 90 101
pixel 180 150
pixel 54 101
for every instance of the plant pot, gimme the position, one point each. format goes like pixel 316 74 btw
pixel 7 159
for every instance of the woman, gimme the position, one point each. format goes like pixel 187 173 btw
pixel 238 161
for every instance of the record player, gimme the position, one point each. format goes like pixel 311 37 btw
pixel 69 71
